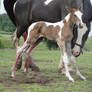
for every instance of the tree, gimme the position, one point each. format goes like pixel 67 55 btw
pixel 5 24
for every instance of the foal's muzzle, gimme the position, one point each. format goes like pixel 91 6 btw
pixel 76 53
pixel 80 26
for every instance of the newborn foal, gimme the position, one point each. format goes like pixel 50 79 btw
pixel 61 32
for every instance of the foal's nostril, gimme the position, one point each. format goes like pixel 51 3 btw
pixel 72 51
pixel 80 26
pixel 75 53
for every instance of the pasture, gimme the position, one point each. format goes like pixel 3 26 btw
pixel 48 79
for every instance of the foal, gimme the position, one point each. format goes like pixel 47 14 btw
pixel 61 32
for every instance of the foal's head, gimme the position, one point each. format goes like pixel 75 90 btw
pixel 70 20
pixel 80 31
pixel 74 17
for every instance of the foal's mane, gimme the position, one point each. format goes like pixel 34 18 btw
pixel 71 19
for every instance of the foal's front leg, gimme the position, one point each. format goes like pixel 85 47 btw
pixel 65 56
pixel 66 64
pixel 76 68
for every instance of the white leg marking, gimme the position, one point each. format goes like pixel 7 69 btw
pixel 59 33
pixel 12 74
pixel 91 2
pixel 20 50
pixel 91 25
pixel 47 2
pixel 76 68
pixel 25 70
pixel 66 62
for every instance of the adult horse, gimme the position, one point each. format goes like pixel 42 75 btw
pixel 25 12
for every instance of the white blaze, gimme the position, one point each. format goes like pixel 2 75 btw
pixel 67 17
pixel 79 15
pixel 47 2
pixel 91 2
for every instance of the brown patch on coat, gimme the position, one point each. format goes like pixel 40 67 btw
pixel 67 31
pixel 49 32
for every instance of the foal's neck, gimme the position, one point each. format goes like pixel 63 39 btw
pixel 69 20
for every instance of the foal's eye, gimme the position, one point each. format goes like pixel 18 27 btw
pixel 75 16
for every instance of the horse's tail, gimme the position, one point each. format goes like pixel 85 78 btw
pixel 8 4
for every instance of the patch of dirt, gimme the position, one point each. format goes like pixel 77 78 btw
pixel 21 78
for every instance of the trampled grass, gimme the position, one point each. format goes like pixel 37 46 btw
pixel 48 79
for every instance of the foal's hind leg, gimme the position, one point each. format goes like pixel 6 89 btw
pixel 28 57
pixel 15 42
pixel 31 39
pixel 31 64
pixel 76 68
pixel 19 52
pixel 19 64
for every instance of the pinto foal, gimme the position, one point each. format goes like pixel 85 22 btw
pixel 61 32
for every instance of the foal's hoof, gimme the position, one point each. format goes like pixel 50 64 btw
pixel 12 75
pixel 83 78
pixel 36 69
pixel 73 81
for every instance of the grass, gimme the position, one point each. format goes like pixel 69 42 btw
pixel 5 41
pixel 48 80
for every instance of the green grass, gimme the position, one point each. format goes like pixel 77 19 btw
pixel 5 41
pixel 48 80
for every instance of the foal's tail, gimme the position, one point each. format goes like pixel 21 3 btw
pixel 8 4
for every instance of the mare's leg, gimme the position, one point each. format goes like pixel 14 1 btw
pixel 76 68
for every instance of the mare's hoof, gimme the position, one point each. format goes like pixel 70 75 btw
pixel 19 64
pixel 62 71
pixel 35 68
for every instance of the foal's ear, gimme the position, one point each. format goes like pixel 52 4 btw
pixel 69 9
